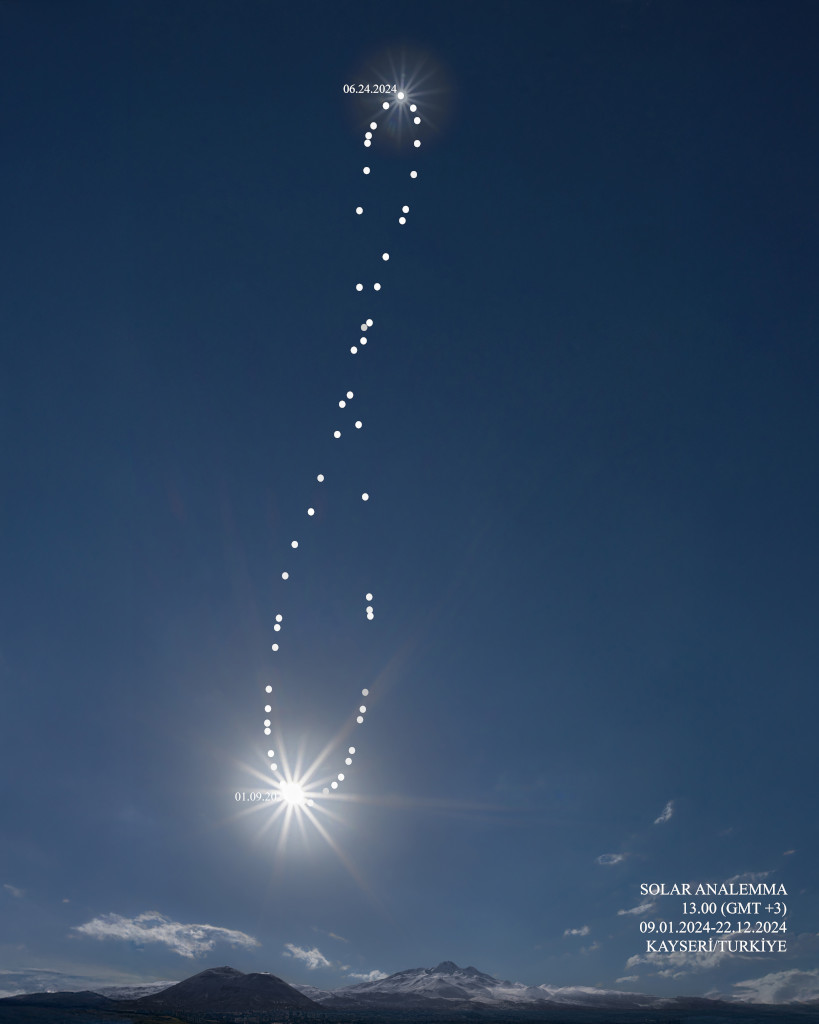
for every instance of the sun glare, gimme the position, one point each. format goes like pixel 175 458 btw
pixel 292 794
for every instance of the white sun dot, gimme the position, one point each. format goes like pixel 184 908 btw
pixel 350 394
pixel 274 767
pixel 359 209
pixel 340 776
pixel 310 803
pixel 351 750
pixel 362 340
pixel 367 142
pixel 268 709
pixel 274 647
pixel 363 327
pixel 358 424
pixel 267 732
pixel 359 287
pixel 325 792
pixel 368 135
pixel 417 143
pixel 373 125
pixel 385 256
pixel 385 105
pixel 368 597
pixel 267 722
pixel 311 511
pixel 353 349
pixel 377 287
pixel 294 543
pixel 336 433
pixel 404 209
pixel 348 760
pixel 320 478
pixel 416 120
pixel 365 496
pixel 285 575
pixel 342 404
pixel 334 784
pixel 413 174
pixel 359 720
pixel 402 220
pixel 370 616
pixel 400 95
pixel 268 689
pixel 270 753
pixel 279 617
pixel 365 692
pixel 369 607
pixel 369 323
pixel 363 708
pixel 366 170
pixel 276 628
pixel 413 108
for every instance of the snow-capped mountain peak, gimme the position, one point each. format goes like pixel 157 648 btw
pixel 451 986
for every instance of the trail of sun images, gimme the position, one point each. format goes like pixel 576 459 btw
pixel 297 790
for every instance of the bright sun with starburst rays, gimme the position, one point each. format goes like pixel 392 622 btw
pixel 293 795
pixel 417 81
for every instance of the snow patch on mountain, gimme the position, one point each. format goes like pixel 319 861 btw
pixel 133 991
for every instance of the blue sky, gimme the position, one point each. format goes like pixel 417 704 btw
pixel 589 438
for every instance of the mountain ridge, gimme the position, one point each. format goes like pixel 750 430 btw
pixel 446 988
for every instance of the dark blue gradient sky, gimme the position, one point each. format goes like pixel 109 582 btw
pixel 590 435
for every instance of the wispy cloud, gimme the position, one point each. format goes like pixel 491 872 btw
pixel 330 935
pixel 667 812
pixel 17 893
pixel 748 876
pixel 642 909
pixel 610 858
pixel 188 940
pixel 678 965
pixel 371 976
pixel 577 931
pixel 779 987
pixel 312 957
pixel 627 980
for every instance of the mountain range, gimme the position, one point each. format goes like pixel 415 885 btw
pixel 420 991
pixel 449 988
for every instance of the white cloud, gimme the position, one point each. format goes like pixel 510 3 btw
pixel 188 940
pixel 627 979
pixel 371 976
pixel 677 965
pixel 610 858
pixel 642 909
pixel 667 812
pixel 312 957
pixel 780 987
pixel 331 935
pixel 748 876
pixel 17 893
pixel 577 931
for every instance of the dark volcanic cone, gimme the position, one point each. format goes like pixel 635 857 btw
pixel 225 990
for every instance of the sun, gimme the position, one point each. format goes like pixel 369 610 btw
pixel 293 795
